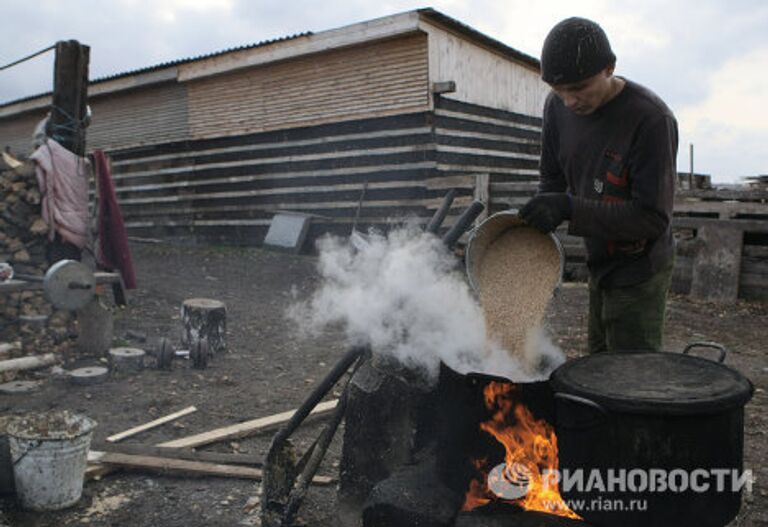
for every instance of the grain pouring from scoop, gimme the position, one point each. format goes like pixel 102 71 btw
pixel 516 275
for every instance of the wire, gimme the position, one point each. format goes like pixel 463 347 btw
pixel 33 55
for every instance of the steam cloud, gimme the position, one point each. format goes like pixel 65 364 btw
pixel 402 295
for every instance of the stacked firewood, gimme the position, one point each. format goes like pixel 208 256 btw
pixel 25 316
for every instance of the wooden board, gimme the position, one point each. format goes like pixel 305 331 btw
pixel 243 429
pixel 222 458
pixel 152 424
pixel 27 363
pixel 182 467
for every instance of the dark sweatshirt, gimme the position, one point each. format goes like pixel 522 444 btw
pixel 619 166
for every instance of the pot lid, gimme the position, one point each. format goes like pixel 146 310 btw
pixel 653 383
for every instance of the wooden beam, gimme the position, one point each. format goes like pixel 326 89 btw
pixel 683 222
pixel 483 195
pixel 27 363
pixel 181 467
pixel 744 194
pixel 178 453
pixel 724 209
pixel 152 424
pixel 70 86
pixel 243 429
pixel 280 159
pixel 255 147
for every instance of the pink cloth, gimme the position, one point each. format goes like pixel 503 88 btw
pixel 63 180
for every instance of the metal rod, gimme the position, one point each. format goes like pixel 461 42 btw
pixel 33 55
pixel 304 479
pixel 462 224
pixel 29 277
pixel 317 394
pixel 439 217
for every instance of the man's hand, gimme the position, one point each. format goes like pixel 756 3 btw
pixel 546 211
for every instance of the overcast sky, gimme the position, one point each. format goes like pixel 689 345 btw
pixel 708 59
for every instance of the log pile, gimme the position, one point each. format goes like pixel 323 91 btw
pixel 25 316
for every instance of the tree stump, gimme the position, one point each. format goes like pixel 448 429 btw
pixel 203 318
pixel 95 328
pixel 126 361
pixel 387 414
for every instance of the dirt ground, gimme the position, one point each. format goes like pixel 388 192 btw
pixel 269 369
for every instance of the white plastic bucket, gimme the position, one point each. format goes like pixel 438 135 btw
pixel 49 452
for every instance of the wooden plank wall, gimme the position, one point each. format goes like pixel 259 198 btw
pixel 381 78
pixel 16 132
pixel 143 116
pixel 472 140
pixel 744 211
pixel 226 190
pixel 747 217
pixel 483 75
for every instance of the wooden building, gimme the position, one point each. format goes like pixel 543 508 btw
pixel 407 106
pixel 389 113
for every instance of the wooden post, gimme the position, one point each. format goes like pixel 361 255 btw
pixel 717 264
pixel 68 109
pixel 96 328
pixel 70 96
pixel 483 194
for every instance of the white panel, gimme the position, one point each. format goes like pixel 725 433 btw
pixel 483 76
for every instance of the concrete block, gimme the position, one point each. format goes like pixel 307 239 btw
pixel 288 231
pixel 717 264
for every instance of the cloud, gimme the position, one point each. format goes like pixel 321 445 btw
pixel 729 128
pixel 736 95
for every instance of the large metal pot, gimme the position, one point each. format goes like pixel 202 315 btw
pixel 670 426
pixel 460 405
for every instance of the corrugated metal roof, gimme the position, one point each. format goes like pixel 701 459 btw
pixel 171 63
pixel 178 62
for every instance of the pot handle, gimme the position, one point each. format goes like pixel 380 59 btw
pixel 712 345
pixel 583 401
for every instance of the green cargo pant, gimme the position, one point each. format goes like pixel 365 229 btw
pixel 629 318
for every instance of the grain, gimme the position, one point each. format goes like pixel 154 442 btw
pixel 518 271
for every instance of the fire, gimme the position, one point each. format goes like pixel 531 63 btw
pixel 527 478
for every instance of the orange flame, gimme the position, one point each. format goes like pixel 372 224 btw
pixel 531 456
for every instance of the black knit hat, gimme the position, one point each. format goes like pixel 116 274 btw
pixel 574 50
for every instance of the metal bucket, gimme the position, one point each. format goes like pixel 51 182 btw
pixel 49 453
pixel 487 232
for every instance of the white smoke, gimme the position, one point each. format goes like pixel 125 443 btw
pixel 402 295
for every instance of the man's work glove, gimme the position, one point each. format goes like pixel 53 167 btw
pixel 546 211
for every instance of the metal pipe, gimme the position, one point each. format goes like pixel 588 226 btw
pixel 316 456
pixel 463 223
pixel 439 217
pixel 317 394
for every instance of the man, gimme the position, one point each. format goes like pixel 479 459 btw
pixel 608 166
